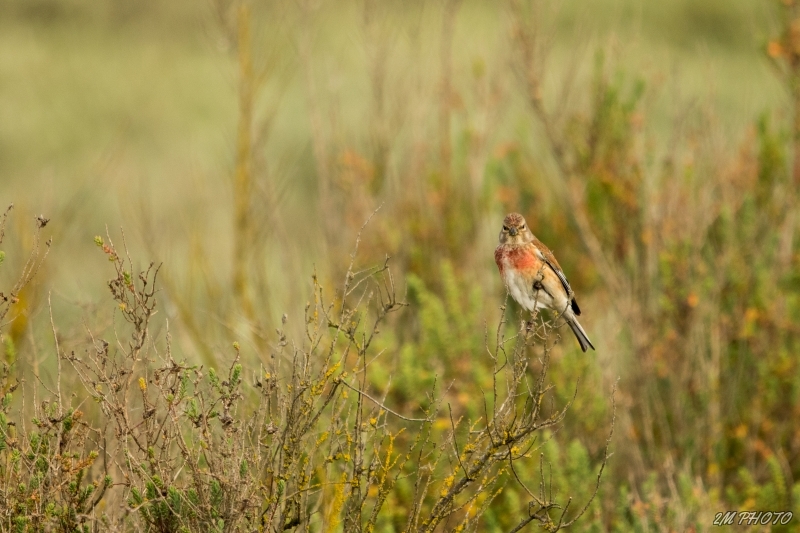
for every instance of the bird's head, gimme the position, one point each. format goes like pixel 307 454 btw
pixel 515 230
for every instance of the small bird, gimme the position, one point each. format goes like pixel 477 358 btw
pixel 533 277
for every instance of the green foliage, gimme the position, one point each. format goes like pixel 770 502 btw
pixel 45 473
pixel 674 218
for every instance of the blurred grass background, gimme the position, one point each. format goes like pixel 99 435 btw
pixel 131 114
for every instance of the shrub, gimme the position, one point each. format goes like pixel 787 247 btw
pixel 304 441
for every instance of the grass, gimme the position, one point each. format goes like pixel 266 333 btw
pixel 675 149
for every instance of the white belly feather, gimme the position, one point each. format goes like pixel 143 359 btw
pixel 521 289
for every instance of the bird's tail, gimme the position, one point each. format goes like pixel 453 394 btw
pixel 583 339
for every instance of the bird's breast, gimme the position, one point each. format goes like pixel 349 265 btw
pixel 521 258
pixel 519 266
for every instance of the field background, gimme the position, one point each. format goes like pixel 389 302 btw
pixel 663 184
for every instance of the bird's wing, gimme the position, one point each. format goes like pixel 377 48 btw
pixel 547 256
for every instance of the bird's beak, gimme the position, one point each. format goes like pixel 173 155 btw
pixel 513 231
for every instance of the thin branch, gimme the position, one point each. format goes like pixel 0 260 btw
pixel 382 406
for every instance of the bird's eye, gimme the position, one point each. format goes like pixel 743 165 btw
pixel 522 226
pixel 505 228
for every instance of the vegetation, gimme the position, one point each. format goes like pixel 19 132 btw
pixel 243 144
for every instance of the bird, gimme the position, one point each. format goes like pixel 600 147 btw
pixel 533 277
